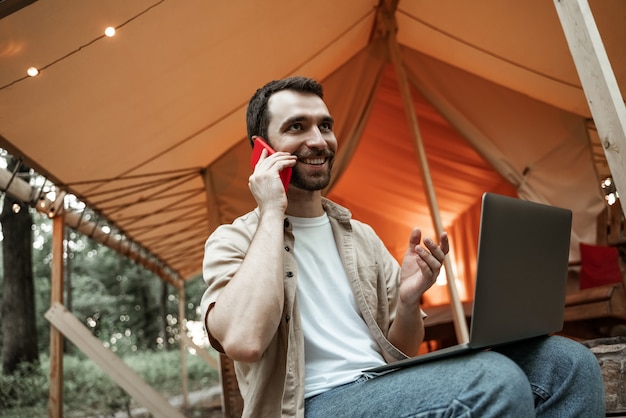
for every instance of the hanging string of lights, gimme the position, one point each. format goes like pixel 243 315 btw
pixel 108 33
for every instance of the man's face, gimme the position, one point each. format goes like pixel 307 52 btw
pixel 300 124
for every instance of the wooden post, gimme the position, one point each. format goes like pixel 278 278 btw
pixel 458 314
pixel 182 328
pixel 55 403
pixel 599 83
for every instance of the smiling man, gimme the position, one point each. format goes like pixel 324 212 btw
pixel 304 298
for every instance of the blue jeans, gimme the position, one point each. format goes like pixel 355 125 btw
pixel 549 377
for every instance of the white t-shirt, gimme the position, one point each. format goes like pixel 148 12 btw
pixel 338 344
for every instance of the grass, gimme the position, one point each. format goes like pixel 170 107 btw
pixel 89 392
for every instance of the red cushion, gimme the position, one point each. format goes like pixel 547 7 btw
pixel 599 265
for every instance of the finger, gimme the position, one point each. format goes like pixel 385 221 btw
pixel 432 257
pixel 414 240
pixel 428 264
pixel 444 242
pixel 436 250
pixel 278 160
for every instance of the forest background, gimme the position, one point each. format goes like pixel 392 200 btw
pixel 131 310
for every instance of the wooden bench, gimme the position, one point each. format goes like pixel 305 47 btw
pixel 599 312
pixel 596 312
pixel 599 302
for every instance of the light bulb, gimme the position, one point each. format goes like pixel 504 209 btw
pixel 110 31
pixel 32 71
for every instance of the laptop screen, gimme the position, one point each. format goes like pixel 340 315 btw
pixel 521 270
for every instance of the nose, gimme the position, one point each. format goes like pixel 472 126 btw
pixel 316 139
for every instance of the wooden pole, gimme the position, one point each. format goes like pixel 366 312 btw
pixel 55 403
pixel 183 345
pixel 458 314
pixel 599 84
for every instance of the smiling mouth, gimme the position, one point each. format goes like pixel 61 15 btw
pixel 313 161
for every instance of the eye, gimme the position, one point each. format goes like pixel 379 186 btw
pixel 296 126
pixel 326 126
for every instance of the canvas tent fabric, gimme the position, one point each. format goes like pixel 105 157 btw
pixel 147 128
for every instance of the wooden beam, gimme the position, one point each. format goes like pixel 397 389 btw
pixel 460 325
pixel 599 84
pixel 19 189
pixel 55 401
pixel 112 365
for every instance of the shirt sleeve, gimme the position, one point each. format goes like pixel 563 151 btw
pixel 224 252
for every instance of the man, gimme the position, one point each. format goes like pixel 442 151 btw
pixel 303 298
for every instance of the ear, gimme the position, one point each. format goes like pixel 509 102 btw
pixel 254 137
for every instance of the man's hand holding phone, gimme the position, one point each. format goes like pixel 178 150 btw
pixel 259 146
pixel 263 165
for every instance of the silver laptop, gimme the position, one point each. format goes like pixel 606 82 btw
pixel 521 274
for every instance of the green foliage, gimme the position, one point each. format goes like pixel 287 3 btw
pixel 88 391
pixel 112 295
pixel 163 369
pixel 120 302
pixel 27 386
pixel 81 379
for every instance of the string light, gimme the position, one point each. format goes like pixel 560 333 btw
pixel 610 191
pixel 109 32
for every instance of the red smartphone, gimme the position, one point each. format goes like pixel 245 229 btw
pixel 259 146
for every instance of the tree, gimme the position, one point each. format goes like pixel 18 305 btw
pixel 19 325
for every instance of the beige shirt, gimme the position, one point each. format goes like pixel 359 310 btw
pixel 274 386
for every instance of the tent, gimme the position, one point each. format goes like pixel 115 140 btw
pixel 146 127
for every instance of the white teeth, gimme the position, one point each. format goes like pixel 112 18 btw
pixel 314 161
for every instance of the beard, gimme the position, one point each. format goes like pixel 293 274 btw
pixel 305 180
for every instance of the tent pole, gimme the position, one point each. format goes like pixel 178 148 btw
pixel 55 402
pixel 458 314
pixel 599 84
